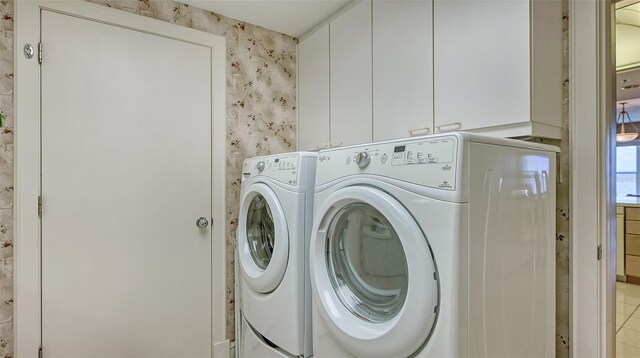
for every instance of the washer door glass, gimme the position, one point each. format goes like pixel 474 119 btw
pixel 263 238
pixel 260 231
pixel 366 263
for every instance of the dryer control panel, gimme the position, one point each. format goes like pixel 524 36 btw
pixel 428 152
pixel 425 161
pixel 283 168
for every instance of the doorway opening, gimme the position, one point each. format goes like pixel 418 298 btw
pixel 627 179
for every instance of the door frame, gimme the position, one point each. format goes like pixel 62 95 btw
pixel 591 180
pixel 27 254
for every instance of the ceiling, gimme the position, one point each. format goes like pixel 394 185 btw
pixel 626 82
pixel 631 96
pixel 628 36
pixel 291 17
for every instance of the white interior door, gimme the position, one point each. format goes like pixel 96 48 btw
pixel 126 171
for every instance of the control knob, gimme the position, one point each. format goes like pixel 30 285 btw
pixel 260 166
pixel 363 159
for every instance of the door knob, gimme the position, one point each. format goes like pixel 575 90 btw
pixel 202 222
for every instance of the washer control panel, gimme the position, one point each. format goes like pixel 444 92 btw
pixel 427 161
pixel 283 168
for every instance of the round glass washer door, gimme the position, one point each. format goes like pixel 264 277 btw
pixel 263 238
pixel 373 274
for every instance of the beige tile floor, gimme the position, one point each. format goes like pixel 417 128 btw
pixel 627 320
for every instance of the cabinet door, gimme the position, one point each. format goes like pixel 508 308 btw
pixel 633 266
pixel 313 90
pixel 402 68
pixel 481 62
pixel 351 113
pixel 620 244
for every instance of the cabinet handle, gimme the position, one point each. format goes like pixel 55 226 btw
pixel 419 131
pixel 454 125
pixel 328 145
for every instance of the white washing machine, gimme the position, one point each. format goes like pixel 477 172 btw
pixel 275 221
pixel 437 246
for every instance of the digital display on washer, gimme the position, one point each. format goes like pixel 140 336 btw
pixel 399 149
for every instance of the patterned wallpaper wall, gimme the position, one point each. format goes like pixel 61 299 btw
pixel 562 204
pixel 6 179
pixel 261 81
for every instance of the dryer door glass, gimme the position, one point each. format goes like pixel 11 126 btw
pixel 366 263
pixel 260 231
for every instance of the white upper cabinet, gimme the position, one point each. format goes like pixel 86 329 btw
pixel 402 68
pixel 350 61
pixel 397 68
pixel 313 90
pixel 498 67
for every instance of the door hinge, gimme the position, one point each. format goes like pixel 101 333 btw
pixel 40 52
pixel 40 206
pixel 599 252
pixel 40 352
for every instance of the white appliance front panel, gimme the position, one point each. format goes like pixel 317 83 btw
pixel 253 346
pixel 354 323
pixel 283 168
pixel 281 315
pixel 431 162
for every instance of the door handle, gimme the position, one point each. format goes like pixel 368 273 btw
pixel 202 222
pixel 328 145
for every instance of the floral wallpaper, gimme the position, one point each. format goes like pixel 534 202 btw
pixel 562 204
pixel 261 104
pixel 6 179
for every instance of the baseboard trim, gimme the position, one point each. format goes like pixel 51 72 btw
pixel 633 279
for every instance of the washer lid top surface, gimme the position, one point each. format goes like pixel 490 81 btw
pixel 263 238
pixel 373 274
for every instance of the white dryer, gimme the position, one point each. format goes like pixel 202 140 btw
pixel 275 221
pixel 437 246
